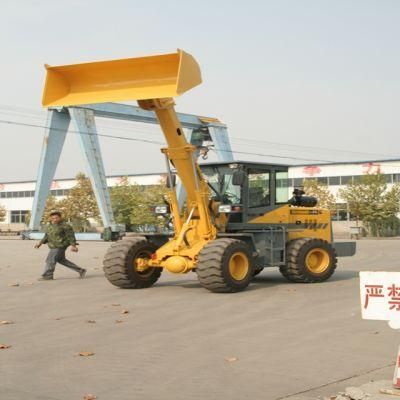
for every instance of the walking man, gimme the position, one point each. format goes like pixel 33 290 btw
pixel 59 237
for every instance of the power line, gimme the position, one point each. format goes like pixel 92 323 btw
pixel 8 122
pixel 132 128
pixel 275 156
pixel 2 121
pixel 246 142
pixel 296 147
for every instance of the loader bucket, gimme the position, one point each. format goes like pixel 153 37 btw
pixel 142 78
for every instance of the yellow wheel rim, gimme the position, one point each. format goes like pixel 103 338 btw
pixel 317 260
pixel 238 266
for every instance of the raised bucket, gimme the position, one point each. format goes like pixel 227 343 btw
pixel 141 78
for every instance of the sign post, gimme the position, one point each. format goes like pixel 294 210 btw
pixel 380 300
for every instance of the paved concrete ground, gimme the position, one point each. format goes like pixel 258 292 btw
pixel 290 341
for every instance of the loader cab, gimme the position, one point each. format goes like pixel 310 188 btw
pixel 247 189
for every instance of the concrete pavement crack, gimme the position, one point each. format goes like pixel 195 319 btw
pixel 334 382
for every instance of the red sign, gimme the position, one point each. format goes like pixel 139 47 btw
pixel 380 296
pixel 122 181
pixel 371 168
pixel 311 170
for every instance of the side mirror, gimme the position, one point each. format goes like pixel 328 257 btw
pixel 170 184
pixel 238 177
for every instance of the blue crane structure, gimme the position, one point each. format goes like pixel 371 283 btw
pixel 199 129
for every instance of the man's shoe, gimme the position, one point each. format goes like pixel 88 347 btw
pixel 46 278
pixel 82 273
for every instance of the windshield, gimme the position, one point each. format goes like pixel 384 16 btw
pixel 219 179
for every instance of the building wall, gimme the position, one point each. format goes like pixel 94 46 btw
pixel 18 196
pixel 337 176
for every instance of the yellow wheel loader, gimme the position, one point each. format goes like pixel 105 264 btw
pixel 237 218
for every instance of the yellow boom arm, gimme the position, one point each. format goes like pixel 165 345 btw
pixel 152 81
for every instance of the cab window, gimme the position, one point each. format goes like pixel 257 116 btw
pixel 281 187
pixel 219 179
pixel 259 190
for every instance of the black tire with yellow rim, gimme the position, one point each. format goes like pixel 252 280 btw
pixel 225 266
pixel 309 260
pixel 125 264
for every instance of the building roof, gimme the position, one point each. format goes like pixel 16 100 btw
pixel 73 179
pixel 348 162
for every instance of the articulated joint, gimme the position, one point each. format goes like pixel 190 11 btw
pixel 157 104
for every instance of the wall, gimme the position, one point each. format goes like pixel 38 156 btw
pixel 24 192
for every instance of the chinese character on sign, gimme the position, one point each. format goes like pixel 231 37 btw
pixel 394 294
pixel 55 185
pixel 311 170
pixel 371 168
pixel 372 291
pixel 380 296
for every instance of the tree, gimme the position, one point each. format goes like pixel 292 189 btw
pixel 371 202
pixel 321 191
pixel 80 205
pixel 3 213
pixel 51 205
pixel 132 204
pixel 122 201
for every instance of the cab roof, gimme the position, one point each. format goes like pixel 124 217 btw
pixel 251 164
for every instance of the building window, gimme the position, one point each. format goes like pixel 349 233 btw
pixel 19 216
pixel 322 180
pixel 334 180
pixel 347 179
pixel 298 182
pixel 388 178
pixel 22 193
pixel 341 212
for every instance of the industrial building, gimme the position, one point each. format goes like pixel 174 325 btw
pixel 17 197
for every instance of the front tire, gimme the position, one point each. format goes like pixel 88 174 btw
pixel 309 260
pixel 121 267
pixel 225 266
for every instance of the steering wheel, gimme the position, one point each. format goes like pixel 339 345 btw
pixel 232 196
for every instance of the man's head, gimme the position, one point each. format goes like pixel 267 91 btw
pixel 55 217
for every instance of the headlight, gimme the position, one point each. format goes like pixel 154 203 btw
pixel 224 208
pixel 229 209
pixel 161 209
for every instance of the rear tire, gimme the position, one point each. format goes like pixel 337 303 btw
pixel 225 266
pixel 120 268
pixel 309 260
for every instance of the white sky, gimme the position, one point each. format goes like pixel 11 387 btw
pixel 321 73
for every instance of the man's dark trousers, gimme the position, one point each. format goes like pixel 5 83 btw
pixel 58 256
